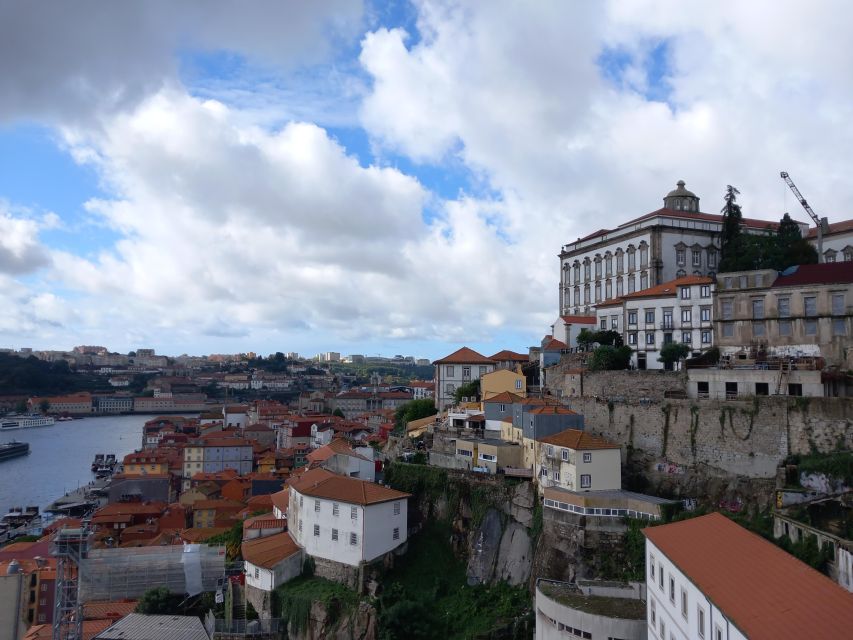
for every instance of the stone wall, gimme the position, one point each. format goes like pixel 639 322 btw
pixel 741 438
pixel 626 386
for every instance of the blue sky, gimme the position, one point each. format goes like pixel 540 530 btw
pixel 380 177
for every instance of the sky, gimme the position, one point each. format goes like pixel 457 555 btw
pixel 381 177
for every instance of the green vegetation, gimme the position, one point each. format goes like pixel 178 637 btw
pixel 292 601
pixel 231 539
pixel 775 250
pixel 609 358
pixel 467 390
pixel 32 376
pixel 838 464
pixel 587 338
pixel 414 410
pixel 596 605
pixel 428 596
pixel 157 601
pixel 337 412
pixel 673 352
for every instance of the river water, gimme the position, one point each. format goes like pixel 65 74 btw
pixel 61 456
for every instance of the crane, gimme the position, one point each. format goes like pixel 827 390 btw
pixel 821 223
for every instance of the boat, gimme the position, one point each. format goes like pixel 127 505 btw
pixel 64 419
pixel 13 449
pixel 10 422
pixel 103 471
pixel 98 461
pixel 21 522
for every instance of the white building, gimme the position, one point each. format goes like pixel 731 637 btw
pixel 707 578
pixel 578 461
pixel 339 457
pixel 344 519
pixel 460 367
pixel 681 310
pixel 837 243
pixel 271 561
pixel 674 241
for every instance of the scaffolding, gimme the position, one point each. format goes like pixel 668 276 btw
pixel 69 547
pixel 111 574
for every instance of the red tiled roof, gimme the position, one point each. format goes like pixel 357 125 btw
pixel 552 410
pixel 835 227
pixel 764 591
pixel 104 610
pixel 320 483
pixel 505 397
pixel 194 535
pixel 464 356
pixel 668 288
pixel 506 354
pixel 219 505
pixel 578 440
pixel 553 345
pixel 578 319
pixel 269 551
pixel 336 446
pixel 280 499
pixel 826 273
pixel 264 521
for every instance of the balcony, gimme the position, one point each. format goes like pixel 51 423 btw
pixel 667 324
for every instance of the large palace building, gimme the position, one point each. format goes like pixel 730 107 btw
pixel 663 245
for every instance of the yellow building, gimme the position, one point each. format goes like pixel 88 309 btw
pixel 501 381
pixel 145 463
pixel 574 460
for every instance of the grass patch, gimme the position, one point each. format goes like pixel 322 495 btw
pixel 292 601
pixel 838 464
pixel 573 597
pixel 427 595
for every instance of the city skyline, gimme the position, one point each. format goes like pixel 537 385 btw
pixel 385 178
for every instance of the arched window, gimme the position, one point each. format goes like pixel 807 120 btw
pixel 608 264
pixel 644 255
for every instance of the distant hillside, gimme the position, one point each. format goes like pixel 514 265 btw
pixel 32 376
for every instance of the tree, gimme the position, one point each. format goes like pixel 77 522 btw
pixel 609 358
pixel 44 405
pixel 731 239
pixel 790 246
pixel 156 601
pixel 339 413
pixel 467 390
pixel 414 410
pixel 673 352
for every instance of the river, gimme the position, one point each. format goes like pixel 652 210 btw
pixel 61 456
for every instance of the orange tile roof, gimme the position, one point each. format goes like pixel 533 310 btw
pixel 264 521
pixel 220 505
pixel 578 440
pixel 578 319
pixel 668 288
pixel 336 446
pixel 554 344
pixel 552 410
pixel 320 483
pixel 464 356
pixel 281 499
pixel 200 534
pixel 764 591
pixel 269 551
pixel 506 354
pixel 91 628
pixel 504 397
pixel 834 227
pixel 99 609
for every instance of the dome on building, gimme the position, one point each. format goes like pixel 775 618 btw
pixel 681 199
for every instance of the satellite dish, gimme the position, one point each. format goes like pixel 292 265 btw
pixel 790 270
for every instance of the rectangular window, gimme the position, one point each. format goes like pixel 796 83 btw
pixel 316 505
pixel 396 508
pixel 697 258
pixel 518 385
pixel 810 305
pixel 705 314
pixel 686 337
pixel 839 327
pixel 727 283
pixel 671 589
pixel 334 535
pixel 587 456
pixel 660 578
pixel 300 525
pixel 684 603
pixel 744 282
pixel 353 513
pixel 784 327
pixel 705 291
pixel 598 268
pixel 762 389
pixel 685 293
pixel 727 309
pixel 549 451
pixel 466 372
pixel 316 529
pixel 686 316
pixel 680 257
pixel 632 284
pixel 449 371
pixel 758 329
pixel 700 621
pixel 728 329
pixel 353 539
pixel 758 309
pixel 257 573
pixel 565 454
pixel 731 390
pixel 614 322
pixel 586 481
pixel 653 613
pixel 650 316
pixel 652 568
pixel 650 339
pixel 702 389
pixel 603 323
pixel 556 476
pixel 396 533
pixel 335 509
pixel 810 327
pixel 718 633
pixel 632 317
pixel 632 338
pixel 784 307
pixel 795 389
pixel 838 304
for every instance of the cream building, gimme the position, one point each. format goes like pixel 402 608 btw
pixel 578 461
pixel 460 367
pixel 497 382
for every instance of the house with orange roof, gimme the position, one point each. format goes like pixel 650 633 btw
pixel 270 561
pixel 460 367
pixel 339 457
pixel 503 381
pixel 577 460
pixel 345 520
pixel 708 578
pixel 215 513
pixel 680 311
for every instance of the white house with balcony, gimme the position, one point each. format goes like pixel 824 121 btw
pixel 460 367
pixel 681 310
pixel 578 461
pixel 708 578
pixel 343 519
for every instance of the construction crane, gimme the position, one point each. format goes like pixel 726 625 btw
pixel 822 224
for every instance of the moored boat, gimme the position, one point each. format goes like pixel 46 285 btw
pixel 98 461
pixel 11 422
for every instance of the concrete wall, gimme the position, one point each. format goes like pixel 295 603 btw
pixel 598 626
pixel 746 380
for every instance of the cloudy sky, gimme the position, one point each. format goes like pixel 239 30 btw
pixel 391 177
